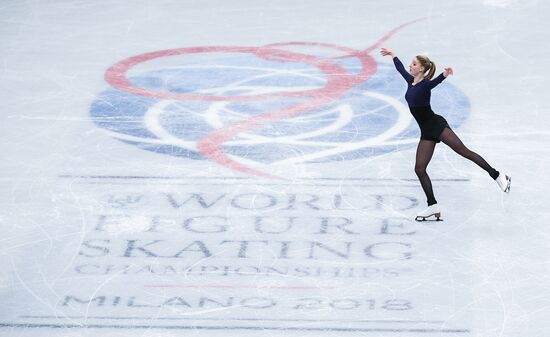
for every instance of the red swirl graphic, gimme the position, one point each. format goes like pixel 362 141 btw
pixel 338 81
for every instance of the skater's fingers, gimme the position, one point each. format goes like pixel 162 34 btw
pixel 385 51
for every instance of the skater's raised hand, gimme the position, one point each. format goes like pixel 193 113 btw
pixel 386 52
pixel 447 72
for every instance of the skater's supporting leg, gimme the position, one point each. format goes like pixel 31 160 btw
pixel 451 139
pixel 424 154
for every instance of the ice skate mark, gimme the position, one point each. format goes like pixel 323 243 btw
pixel 229 286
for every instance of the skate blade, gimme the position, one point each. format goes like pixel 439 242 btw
pixel 507 189
pixel 432 217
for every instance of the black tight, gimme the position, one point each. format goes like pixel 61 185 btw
pixel 424 154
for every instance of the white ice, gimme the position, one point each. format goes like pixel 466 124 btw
pixel 102 237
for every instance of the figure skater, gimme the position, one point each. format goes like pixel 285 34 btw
pixel 434 128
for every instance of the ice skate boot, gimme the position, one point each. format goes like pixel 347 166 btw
pixel 504 182
pixel 431 213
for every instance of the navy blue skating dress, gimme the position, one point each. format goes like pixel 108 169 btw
pixel 418 98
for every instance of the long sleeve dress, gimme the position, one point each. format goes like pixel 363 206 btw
pixel 418 98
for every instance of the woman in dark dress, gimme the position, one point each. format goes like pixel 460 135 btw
pixel 433 127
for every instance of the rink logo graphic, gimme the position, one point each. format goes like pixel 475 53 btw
pixel 262 109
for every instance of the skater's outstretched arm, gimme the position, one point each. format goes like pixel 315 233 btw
pixel 398 65
pixel 446 73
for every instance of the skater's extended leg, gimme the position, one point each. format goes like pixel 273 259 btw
pixel 451 139
pixel 424 153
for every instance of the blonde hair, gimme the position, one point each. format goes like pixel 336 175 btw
pixel 428 65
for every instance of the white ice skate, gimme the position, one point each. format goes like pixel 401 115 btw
pixel 504 182
pixel 428 213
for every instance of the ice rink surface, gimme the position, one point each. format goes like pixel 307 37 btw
pixel 212 168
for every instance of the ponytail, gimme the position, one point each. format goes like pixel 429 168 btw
pixel 428 65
